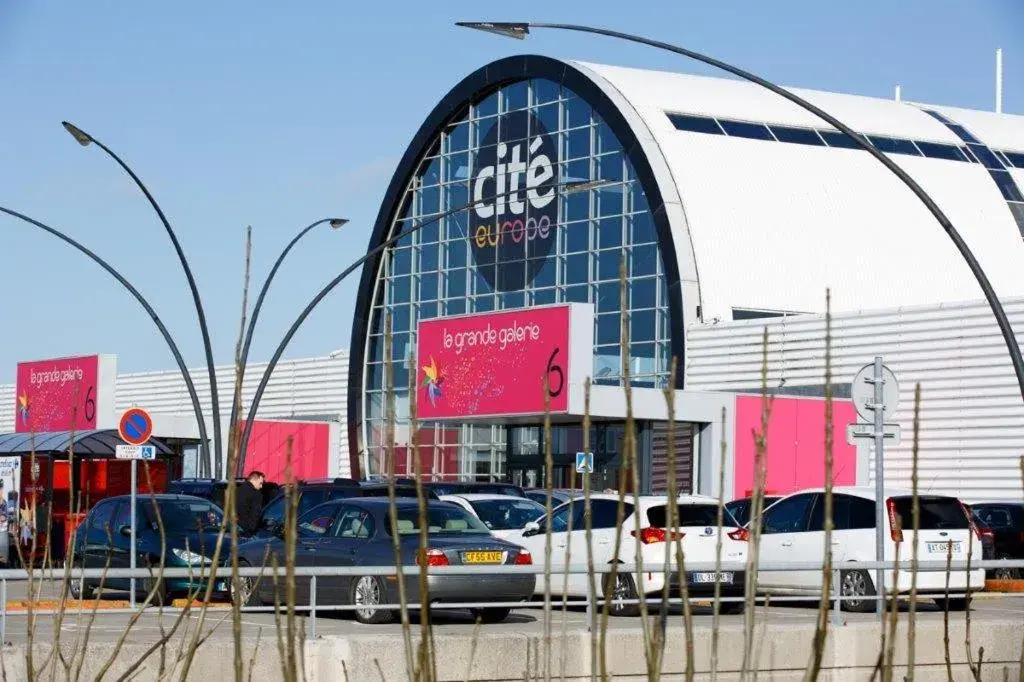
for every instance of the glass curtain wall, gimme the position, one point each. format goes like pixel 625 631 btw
pixel 441 271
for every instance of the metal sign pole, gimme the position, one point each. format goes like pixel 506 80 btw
pixel 135 469
pixel 879 410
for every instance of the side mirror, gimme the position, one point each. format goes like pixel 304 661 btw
pixel 531 528
pixel 126 531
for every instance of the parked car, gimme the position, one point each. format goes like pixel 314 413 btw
pixel 503 515
pixel 190 526
pixel 312 493
pixel 558 495
pixel 1003 524
pixel 357 532
pixel 793 530
pixel 459 487
pixel 212 489
pixel 697 529
pixel 742 508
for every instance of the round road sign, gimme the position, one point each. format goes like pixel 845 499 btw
pixel 862 392
pixel 135 427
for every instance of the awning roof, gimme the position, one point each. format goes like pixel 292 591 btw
pixel 99 443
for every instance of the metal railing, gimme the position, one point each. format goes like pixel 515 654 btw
pixel 201 575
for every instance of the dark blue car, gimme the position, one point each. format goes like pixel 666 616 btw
pixel 191 525
pixel 357 532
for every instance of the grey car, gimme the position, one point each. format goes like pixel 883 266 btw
pixel 357 532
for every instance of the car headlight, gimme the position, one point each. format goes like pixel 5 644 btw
pixel 190 557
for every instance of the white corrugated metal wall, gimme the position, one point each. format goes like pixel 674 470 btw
pixel 972 417
pixel 307 388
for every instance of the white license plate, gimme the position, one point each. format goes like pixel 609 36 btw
pixel 709 577
pixel 943 547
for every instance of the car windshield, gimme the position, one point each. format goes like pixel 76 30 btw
pixel 439 520
pixel 937 513
pixel 507 514
pixel 997 517
pixel 184 515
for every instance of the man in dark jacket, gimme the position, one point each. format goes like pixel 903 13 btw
pixel 250 503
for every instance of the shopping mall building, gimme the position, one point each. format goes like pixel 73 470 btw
pixel 534 180
pixel 733 210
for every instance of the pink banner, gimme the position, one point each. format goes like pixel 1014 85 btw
pixel 493 363
pixel 56 395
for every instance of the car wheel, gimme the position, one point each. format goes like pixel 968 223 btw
pixel 245 591
pixel 79 588
pixel 622 590
pixel 855 587
pixel 954 604
pixel 732 607
pixel 367 594
pixel 491 615
pixel 1004 573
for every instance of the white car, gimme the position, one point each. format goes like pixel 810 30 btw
pixel 793 530
pixel 698 527
pixel 504 515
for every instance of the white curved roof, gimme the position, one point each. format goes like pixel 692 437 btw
pixel 769 225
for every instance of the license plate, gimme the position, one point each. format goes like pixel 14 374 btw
pixel 943 547
pixel 483 557
pixel 709 577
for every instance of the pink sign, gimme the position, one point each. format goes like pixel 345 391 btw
pixel 57 395
pixel 493 363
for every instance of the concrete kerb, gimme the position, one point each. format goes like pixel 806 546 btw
pixel 782 652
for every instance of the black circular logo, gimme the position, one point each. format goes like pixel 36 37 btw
pixel 516 209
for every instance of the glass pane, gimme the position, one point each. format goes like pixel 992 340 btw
pixel 455 283
pixel 608 263
pixel 544 91
pixel 834 138
pixel 515 96
pixel 401 289
pixel 429 257
pixel 609 233
pixel 609 200
pixel 576 236
pixel 695 124
pixel 577 143
pixel 893 145
pixel 576 294
pixel 643 293
pixel 756 131
pixel 608 296
pixel 987 158
pixel 937 150
pixel 401 261
pixel 609 167
pixel 543 296
pixel 797 135
pixel 644 260
pixel 606 140
pixel 428 287
pixel 608 327
pixel 641 328
pixel 456 306
pixel 577 113
pixel 577 269
pixel 643 230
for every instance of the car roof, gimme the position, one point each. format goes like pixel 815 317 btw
pixel 377 502
pixel 154 496
pixel 473 497
pixel 868 492
pixel 653 499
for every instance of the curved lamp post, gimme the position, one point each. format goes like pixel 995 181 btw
pixel 197 408
pixel 521 30
pixel 335 223
pixel 85 139
pixel 569 187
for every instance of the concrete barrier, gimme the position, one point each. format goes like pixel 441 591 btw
pixel 781 654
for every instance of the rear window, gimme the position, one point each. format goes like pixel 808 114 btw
pixel 998 517
pixel 690 515
pixel 937 513
pixel 440 520
pixel 507 514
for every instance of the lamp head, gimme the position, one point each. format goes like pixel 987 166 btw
pixel 80 136
pixel 336 223
pixel 513 29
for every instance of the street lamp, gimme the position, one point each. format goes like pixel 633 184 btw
pixel 85 139
pixel 197 408
pixel 521 30
pixel 243 358
pixel 567 187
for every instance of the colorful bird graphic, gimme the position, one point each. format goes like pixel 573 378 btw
pixel 23 407
pixel 432 380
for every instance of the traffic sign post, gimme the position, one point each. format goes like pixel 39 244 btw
pixel 876 393
pixel 135 428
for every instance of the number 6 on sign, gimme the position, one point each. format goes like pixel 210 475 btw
pixel 555 369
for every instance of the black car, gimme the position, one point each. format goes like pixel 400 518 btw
pixel 741 508
pixel 312 493
pixel 190 525
pixel 212 489
pixel 357 532
pixel 1003 522
pixel 458 487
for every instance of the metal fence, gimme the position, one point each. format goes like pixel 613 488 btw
pixel 558 573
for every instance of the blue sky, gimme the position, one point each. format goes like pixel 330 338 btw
pixel 241 113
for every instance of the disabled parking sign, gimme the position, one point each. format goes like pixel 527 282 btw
pixel 584 462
